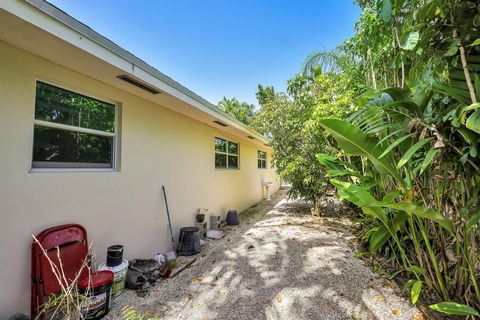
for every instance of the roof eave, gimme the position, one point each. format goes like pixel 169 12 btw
pixel 109 45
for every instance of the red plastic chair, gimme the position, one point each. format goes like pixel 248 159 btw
pixel 71 241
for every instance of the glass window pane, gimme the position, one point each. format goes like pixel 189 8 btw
pixel 66 107
pixel 220 160
pixel 232 147
pixel 262 155
pixel 55 145
pixel 220 145
pixel 233 162
pixel 262 164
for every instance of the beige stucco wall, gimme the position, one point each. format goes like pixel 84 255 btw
pixel 158 146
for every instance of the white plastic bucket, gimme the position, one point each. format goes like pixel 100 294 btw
pixel 119 278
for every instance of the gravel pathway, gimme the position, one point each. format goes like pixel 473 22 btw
pixel 280 263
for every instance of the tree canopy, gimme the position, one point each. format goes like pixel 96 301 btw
pixel 241 111
pixel 289 120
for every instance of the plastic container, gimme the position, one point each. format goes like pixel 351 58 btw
pixel 114 255
pixel 120 275
pixel 189 241
pixel 160 258
pixel 98 286
pixel 170 260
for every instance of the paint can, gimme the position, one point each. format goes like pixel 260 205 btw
pixel 120 275
pixel 98 287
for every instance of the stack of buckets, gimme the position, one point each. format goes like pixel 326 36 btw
pixel 100 284
pixel 118 266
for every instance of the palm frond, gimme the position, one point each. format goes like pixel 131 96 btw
pixel 328 61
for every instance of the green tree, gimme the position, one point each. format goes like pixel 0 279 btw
pixel 264 95
pixel 242 111
pixel 290 122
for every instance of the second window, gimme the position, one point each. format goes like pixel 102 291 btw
pixel 226 154
pixel 262 159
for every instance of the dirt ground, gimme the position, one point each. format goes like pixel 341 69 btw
pixel 280 263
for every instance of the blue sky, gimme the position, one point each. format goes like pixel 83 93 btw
pixel 221 47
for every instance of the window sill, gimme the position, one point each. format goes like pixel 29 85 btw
pixel 71 170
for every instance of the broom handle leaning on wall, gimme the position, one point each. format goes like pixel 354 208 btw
pixel 168 216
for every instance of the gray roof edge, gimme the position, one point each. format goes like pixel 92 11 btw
pixel 91 34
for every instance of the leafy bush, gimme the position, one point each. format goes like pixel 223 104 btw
pixel 408 158
pixel 241 111
pixel 290 121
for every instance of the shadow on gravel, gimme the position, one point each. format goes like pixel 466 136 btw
pixel 283 263
pixel 281 270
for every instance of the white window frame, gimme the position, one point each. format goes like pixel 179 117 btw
pixel 262 159
pixel 74 166
pixel 227 154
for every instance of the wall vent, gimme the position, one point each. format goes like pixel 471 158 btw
pixel 223 124
pixel 138 84
pixel 250 137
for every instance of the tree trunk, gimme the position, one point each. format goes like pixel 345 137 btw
pixel 463 58
pixel 374 81
pixel 403 65
pixel 467 74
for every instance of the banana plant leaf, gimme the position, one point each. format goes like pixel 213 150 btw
pixel 397 94
pixel 361 197
pixel 394 144
pixel 352 140
pixel 428 158
pixel 419 211
pixel 384 233
pixel 410 152
pixel 454 308
pixel 473 121
pixel 333 163
pixel 408 105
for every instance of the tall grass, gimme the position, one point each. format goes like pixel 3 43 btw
pixel 68 304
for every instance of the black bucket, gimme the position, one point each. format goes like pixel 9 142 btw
pixel 188 242
pixel 114 255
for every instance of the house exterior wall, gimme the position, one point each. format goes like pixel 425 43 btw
pixel 157 147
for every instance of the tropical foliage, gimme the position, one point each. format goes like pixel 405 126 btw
pixel 290 120
pixel 408 157
pixel 406 153
pixel 241 111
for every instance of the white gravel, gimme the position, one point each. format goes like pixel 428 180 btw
pixel 280 263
